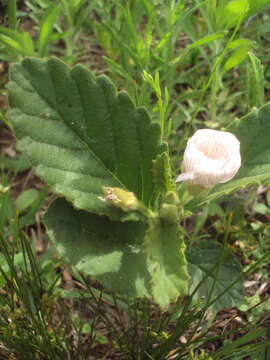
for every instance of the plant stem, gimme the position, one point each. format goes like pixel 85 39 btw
pixel 12 13
pixel 215 85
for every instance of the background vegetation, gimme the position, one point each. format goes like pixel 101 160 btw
pixel 192 64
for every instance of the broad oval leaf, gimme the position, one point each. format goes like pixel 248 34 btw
pixel 110 251
pixel 80 134
pixel 132 258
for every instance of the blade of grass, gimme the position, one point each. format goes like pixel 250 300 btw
pixel 12 13
pixel 46 28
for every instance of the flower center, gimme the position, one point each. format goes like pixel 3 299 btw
pixel 212 148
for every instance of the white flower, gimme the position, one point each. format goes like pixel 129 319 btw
pixel 210 157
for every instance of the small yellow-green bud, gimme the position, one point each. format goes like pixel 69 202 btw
pixel 171 198
pixel 169 213
pixel 122 199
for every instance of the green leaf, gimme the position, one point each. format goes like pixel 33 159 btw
pixel 207 39
pixel 239 43
pixel 19 41
pixel 163 174
pixel 17 260
pixel 116 68
pixel 46 28
pixel 243 346
pixel 238 56
pixel 12 13
pixel 230 13
pixel 167 262
pixel 130 258
pixel 105 40
pixel 257 5
pixel 109 250
pixel 26 199
pixel 233 13
pixel 17 164
pixel 237 7
pixel 30 216
pixel 253 132
pixel 218 268
pixel 80 134
pixel 255 81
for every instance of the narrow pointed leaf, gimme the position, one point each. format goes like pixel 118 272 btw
pixel 46 28
pixel 255 81
pixel 162 174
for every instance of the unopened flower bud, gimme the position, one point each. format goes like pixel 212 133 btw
pixel 121 198
pixel 169 213
pixel 211 157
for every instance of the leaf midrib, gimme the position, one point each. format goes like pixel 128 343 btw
pixel 66 124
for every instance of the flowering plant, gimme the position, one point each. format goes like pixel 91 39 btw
pixel 119 211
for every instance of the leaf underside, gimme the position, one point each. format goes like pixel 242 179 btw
pixel 80 134
pixel 98 246
pixel 128 257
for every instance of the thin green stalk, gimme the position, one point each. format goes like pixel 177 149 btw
pixel 206 306
pixel 214 89
pixel 240 277
pixel 217 63
pixel 267 348
pixel 109 323
pixel 12 14
pixel 146 323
